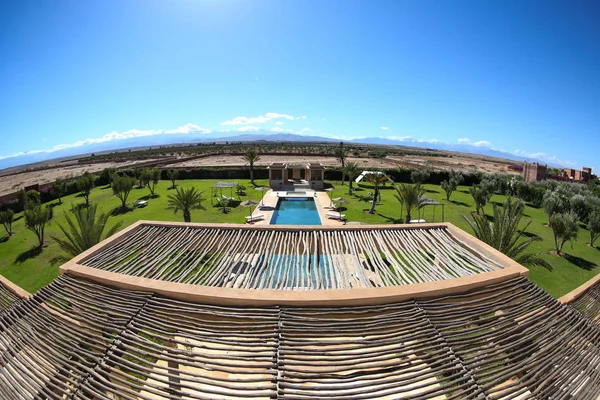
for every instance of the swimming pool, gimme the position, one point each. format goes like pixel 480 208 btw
pixel 296 211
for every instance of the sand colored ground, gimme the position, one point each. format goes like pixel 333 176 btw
pixel 457 161
pixel 230 161
pixel 12 183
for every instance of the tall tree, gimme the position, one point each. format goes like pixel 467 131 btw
pixel 593 226
pixel 251 156
pixel 83 233
pixel 35 220
pixel 121 187
pixel 108 175
pixel 341 154
pixel 504 235
pixel 377 180
pixel 33 198
pixel 58 189
pixel 351 170
pixel 139 173
pixel 419 176
pixel 479 197
pixel 6 219
pixel 564 227
pixel 410 197
pixel 455 178
pixel 553 204
pixel 85 184
pixel 172 175
pixel 150 178
pixel 186 201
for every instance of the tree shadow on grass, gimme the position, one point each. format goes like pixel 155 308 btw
pixel 31 253
pixel 580 262
pixel 393 220
pixel 4 239
pixel 459 203
pixel 120 211
pixel 105 187
pixel 76 207
pixel 18 218
pixel 531 235
pixel 432 191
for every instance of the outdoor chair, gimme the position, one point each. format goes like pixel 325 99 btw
pixel 336 215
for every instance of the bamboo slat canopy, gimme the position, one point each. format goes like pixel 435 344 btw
pixel 305 259
pixel 589 304
pixel 80 340
pixel 7 298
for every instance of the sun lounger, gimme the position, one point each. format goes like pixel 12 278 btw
pixel 140 203
pixel 417 221
pixel 335 215
pixel 256 217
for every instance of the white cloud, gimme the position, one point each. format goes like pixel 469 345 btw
pixel 410 139
pixel 384 128
pixel 545 157
pixel 277 129
pixel 278 123
pixel 132 133
pixel 247 129
pixel 305 130
pixel 261 119
pixel 302 117
pixel 480 143
pixel 189 128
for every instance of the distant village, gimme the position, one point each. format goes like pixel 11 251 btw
pixel 537 172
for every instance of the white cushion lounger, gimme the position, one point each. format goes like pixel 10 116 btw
pixel 335 215
pixel 256 217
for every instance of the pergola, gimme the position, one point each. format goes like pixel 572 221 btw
pixel 217 189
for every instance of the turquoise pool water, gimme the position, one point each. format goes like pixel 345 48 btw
pixel 296 211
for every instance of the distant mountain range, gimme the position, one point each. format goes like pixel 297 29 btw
pixel 171 139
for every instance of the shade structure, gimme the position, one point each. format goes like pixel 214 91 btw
pixel 304 258
pixel 249 203
pixel 503 340
pixel 262 189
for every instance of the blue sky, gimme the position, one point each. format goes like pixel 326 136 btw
pixel 518 76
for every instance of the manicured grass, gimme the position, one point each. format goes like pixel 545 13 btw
pixel 21 264
pixel 32 271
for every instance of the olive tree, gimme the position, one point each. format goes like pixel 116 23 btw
pixel 85 184
pixel 172 175
pixel 593 226
pixel 58 189
pixel 121 187
pixel 479 197
pixel 419 176
pixel 564 228
pixel 150 178
pixel 35 220
pixel 6 218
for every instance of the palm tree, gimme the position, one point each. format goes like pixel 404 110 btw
pixel 377 180
pixel 352 170
pixel 251 156
pixel 186 201
pixel 341 154
pixel 410 197
pixel 503 234
pixel 83 233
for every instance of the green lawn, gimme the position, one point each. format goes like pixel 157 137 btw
pixel 20 264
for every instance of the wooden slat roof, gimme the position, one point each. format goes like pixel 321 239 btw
pixel 304 259
pixel 588 304
pixel 81 340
